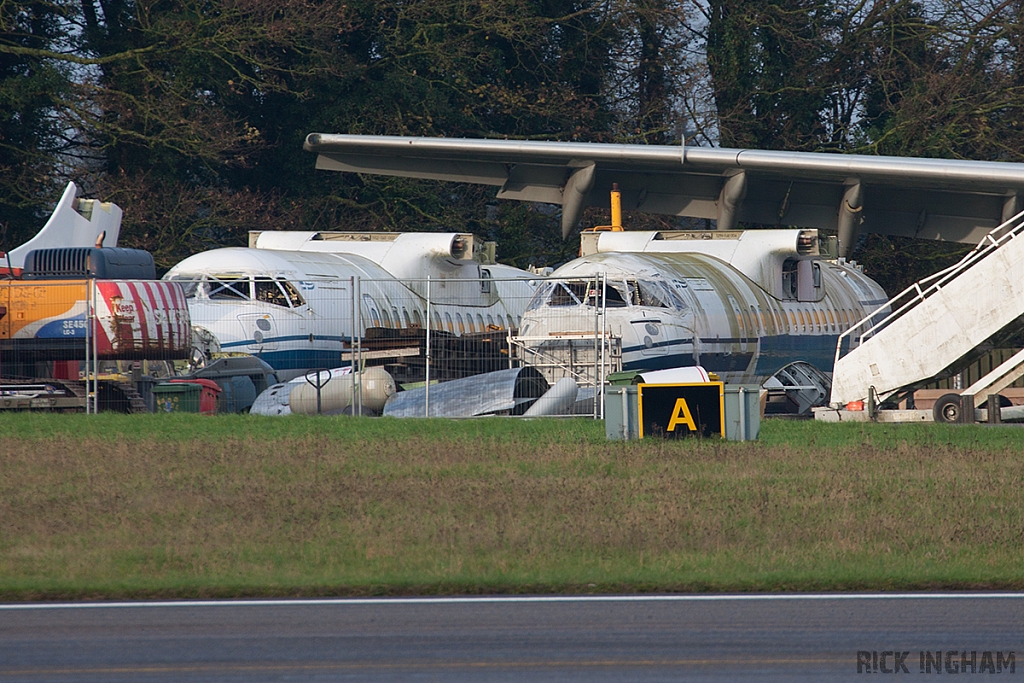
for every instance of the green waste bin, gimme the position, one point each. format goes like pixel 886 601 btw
pixel 177 397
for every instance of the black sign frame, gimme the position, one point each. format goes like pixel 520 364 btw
pixel 665 413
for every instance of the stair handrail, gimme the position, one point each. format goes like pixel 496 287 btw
pixel 926 287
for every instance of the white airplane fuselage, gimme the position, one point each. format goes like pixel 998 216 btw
pixel 296 309
pixel 744 310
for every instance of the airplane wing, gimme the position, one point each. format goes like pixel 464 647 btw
pixel 953 200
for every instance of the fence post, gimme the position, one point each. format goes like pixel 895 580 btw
pixel 95 355
pixel 426 387
pixel 604 338
pixel 357 378
pixel 88 349
pixel 351 337
pixel 597 340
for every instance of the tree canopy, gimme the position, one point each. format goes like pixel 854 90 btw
pixel 190 114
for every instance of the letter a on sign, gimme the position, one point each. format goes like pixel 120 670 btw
pixel 681 414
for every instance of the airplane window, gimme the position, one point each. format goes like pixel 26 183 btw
pixel 803 322
pixel 754 319
pixel 614 294
pixel 674 297
pixel 490 320
pixel 267 291
pixel 408 321
pixel 792 320
pixel 651 294
pixel 846 320
pixel 293 294
pixel 191 286
pixel 831 319
pixel 417 318
pixel 437 321
pixel 387 318
pixel 568 293
pixel 448 321
pixel 394 314
pixel 541 297
pixel 480 322
pixel 634 293
pixel 225 288
pixel 458 321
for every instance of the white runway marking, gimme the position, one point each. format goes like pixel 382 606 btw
pixel 343 602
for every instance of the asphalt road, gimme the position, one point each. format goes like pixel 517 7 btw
pixel 650 638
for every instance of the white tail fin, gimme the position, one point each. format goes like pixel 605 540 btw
pixel 74 223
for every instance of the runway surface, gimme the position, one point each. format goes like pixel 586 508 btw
pixel 639 638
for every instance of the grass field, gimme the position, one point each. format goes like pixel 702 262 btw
pixel 184 506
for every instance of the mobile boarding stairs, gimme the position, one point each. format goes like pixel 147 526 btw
pixel 934 329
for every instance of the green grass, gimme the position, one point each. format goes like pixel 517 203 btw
pixel 180 505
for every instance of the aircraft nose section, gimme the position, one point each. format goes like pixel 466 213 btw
pixel 259 329
pixel 650 334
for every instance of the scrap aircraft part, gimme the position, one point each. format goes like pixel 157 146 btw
pixel 338 391
pixel 273 401
pixel 796 389
pixel 73 223
pixel 296 308
pixel 955 200
pixel 676 309
pixel 336 395
pixel 693 374
pixel 505 392
pixel 558 400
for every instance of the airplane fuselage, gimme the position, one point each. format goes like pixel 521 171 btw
pixel 679 309
pixel 298 309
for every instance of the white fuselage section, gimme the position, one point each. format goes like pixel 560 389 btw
pixel 672 305
pixel 301 309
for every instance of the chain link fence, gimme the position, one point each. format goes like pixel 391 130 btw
pixel 422 332
pixel 102 345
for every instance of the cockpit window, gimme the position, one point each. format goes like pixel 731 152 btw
pixel 569 293
pixel 225 288
pixel 268 291
pixel 614 294
pixel 292 293
pixel 652 294
pixel 618 294
pixel 190 285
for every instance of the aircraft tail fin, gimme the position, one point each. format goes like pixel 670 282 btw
pixel 74 223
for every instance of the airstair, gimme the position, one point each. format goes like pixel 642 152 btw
pixel 937 325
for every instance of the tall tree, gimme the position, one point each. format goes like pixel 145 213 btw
pixel 32 137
